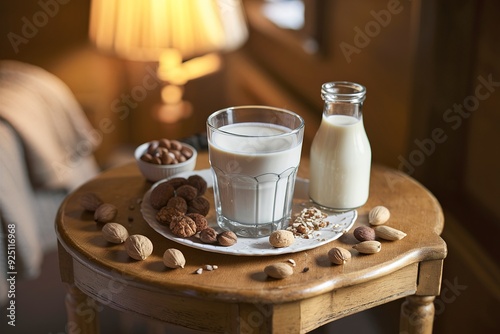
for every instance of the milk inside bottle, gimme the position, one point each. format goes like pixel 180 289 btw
pixel 340 158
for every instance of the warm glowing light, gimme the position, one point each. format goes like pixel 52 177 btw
pixel 184 36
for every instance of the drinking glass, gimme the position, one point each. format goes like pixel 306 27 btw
pixel 254 154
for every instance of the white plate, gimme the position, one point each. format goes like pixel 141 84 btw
pixel 339 224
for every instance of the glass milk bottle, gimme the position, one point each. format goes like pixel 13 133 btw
pixel 340 158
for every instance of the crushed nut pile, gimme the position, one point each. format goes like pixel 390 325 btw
pixel 307 221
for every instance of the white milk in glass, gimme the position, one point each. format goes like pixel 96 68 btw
pixel 340 163
pixel 254 176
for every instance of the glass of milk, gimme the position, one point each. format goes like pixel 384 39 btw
pixel 254 154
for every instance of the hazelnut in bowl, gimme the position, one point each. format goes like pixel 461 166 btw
pixel 160 159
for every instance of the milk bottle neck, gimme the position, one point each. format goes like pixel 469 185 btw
pixel 343 98
pixel 341 108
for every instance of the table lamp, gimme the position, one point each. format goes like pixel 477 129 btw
pixel 184 36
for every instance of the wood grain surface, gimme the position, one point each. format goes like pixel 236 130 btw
pixel 106 273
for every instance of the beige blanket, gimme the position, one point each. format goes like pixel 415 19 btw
pixel 45 151
pixel 55 132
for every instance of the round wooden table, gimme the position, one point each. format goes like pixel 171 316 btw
pixel 238 297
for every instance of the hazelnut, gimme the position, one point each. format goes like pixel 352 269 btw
pixel 208 235
pixel 183 226
pixel 227 238
pixel 200 221
pixel 161 194
pixel 175 145
pixel 199 205
pixel 186 152
pixel 152 147
pixel 178 203
pixel 187 192
pixel 146 157
pixel 166 152
pixel 364 233
pixel 164 143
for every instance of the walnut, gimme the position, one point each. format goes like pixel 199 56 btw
pixel 227 238
pixel 178 203
pixel 187 192
pixel 183 226
pixel 199 205
pixel 199 183
pixel 166 214
pixel 199 220
pixel 176 182
pixel 208 235
pixel 138 247
pixel 161 194
pixel 114 232
pixel 173 258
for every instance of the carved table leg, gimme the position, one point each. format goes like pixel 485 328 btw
pixel 417 315
pixel 82 312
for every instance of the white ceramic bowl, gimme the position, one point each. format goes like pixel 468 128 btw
pixel 154 172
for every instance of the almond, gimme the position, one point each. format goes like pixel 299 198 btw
pixel 278 270
pixel 389 233
pixel 368 247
